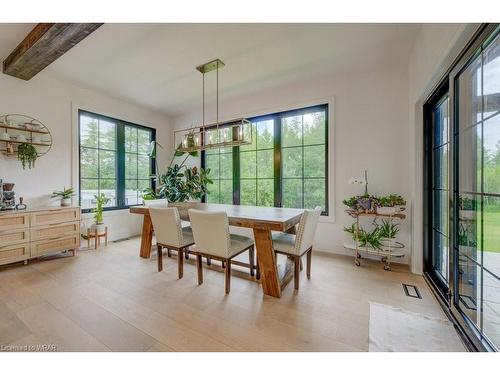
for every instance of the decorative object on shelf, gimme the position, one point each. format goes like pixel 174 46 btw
pixel 98 226
pixel 7 196
pixel 65 195
pixel 18 130
pixel 27 154
pixel 180 182
pixel 21 205
pixel 217 135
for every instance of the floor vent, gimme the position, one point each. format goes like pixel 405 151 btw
pixel 411 291
pixel 121 240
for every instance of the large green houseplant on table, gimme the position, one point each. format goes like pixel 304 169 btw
pixel 180 182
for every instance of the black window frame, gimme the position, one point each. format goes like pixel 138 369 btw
pixel 277 137
pixel 120 158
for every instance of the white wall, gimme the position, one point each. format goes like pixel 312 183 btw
pixel 56 103
pixel 368 130
pixel 435 49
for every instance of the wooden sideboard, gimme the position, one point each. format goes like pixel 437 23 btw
pixel 32 233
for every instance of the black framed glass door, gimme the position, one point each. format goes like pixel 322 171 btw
pixel 462 190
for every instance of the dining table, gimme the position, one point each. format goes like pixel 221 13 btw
pixel 275 272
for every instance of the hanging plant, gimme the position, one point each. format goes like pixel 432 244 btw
pixel 27 153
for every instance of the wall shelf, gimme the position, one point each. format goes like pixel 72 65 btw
pixel 17 124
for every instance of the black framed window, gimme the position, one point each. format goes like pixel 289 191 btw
pixel 113 160
pixel 285 166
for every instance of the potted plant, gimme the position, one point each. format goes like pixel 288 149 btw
pixel 388 232
pixel 365 238
pixel 101 201
pixel 390 205
pixel 65 196
pixel 351 202
pixel 27 154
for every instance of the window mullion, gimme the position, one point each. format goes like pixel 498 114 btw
pixel 278 189
pixel 120 160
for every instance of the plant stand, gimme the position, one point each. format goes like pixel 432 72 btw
pixel 97 237
pixel 390 248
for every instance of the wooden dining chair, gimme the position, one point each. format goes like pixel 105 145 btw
pixel 212 239
pixel 296 245
pixel 170 235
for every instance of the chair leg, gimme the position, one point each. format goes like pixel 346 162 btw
pixel 199 267
pixel 209 261
pixel 223 264
pixel 296 279
pixel 309 258
pixel 169 254
pixel 159 255
pixel 301 265
pixel 251 257
pixel 257 273
pixel 180 263
pixel 228 276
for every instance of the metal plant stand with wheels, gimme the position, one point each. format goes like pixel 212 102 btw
pixel 389 249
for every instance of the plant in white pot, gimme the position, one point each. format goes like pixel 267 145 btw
pixel 390 204
pixel 65 195
pixel 101 201
pixel 388 232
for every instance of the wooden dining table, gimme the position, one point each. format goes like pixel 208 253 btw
pixel 274 273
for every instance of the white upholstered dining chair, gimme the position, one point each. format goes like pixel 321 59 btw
pixel 296 245
pixel 212 239
pixel 170 235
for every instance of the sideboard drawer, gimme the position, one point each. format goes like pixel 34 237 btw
pixel 55 230
pixel 55 216
pixel 14 236
pixel 14 253
pixel 52 245
pixel 14 221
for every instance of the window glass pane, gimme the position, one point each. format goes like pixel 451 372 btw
pixel 314 161
pixel 469 287
pixel 212 162
pixel 248 164
pixel 107 164
pixel 440 206
pixel 131 192
pixel 226 191
pixel 265 134
pixel 88 189
pixel 314 128
pixel 491 79
pixel 291 131
pixel 470 97
pixel 248 192
pixel 130 166
pixel 88 131
pixel 440 156
pixel 491 307
pixel 226 166
pixel 440 254
pixel 144 166
pixel 469 226
pixel 491 234
pixel 265 192
pixel 88 163
pixel 470 160
pixel 265 164
pixel 292 162
pixel 143 141
pixel 292 193
pixel 491 149
pixel 141 186
pixel 213 192
pixel 107 135
pixel 108 187
pixel 130 139
pixel 314 193
pixel 441 121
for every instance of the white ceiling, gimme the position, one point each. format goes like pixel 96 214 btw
pixel 154 64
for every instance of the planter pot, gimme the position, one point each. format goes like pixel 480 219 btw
pixel 155 202
pixel 467 214
pixel 101 228
pixel 66 202
pixel 365 203
pixel 387 210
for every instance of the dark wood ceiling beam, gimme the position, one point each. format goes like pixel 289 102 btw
pixel 43 45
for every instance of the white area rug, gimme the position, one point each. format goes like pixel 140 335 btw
pixel 396 330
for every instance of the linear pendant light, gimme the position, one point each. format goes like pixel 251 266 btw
pixel 217 135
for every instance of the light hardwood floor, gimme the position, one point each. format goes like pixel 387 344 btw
pixel 112 300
